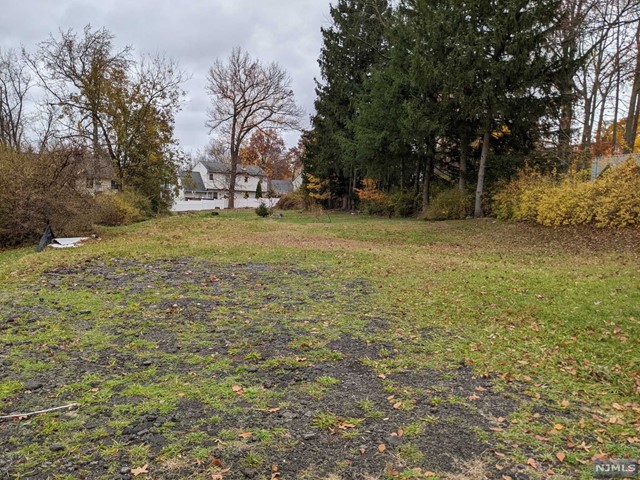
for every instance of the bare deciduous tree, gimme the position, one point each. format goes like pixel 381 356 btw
pixel 15 82
pixel 246 96
pixel 76 71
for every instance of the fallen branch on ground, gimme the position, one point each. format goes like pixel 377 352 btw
pixel 31 414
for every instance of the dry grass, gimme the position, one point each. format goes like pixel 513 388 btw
pixel 474 470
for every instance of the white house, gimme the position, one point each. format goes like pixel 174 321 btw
pixel 281 187
pixel 96 174
pixel 215 178
pixel 206 187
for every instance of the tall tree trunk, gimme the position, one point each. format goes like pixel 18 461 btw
pixel 564 135
pixel 481 172
pixel 464 151
pixel 426 185
pixel 418 172
pixel 95 134
pixel 614 141
pixel 232 178
pixel 634 105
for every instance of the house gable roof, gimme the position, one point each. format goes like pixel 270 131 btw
pixel 282 186
pixel 192 182
pixel 218 167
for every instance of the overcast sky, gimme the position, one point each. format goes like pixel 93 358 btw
pixel 194 32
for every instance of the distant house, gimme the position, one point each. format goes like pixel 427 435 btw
pixel 96 174
pixel 600 164
pixel 192 187
pixel 210 181
pixel 281 187
pixel 297 181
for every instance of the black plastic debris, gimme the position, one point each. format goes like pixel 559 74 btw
pixel 46 239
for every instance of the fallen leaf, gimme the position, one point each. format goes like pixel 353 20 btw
pixel 474 397
pixel 238 389
pixel 245 435
pixel 382 447
pixel 565 403
pixel 397 405
pixel 429 474
pixel 561 456
pixel 274 410
pixel 532 463
pixel 140 470
pixel 558 426
pixel 220 474
pixel 382 376
pixel 400 432
pixel 345 425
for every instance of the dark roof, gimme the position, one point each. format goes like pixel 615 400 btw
pixel 217 167
pixel 282 186
pixel 96 167
pixel 192 182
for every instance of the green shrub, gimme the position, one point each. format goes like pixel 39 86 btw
pixel 262 210
pixel 402 204
pixel 122 208
pixel 449 205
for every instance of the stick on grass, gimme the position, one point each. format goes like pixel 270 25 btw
pixel 31 414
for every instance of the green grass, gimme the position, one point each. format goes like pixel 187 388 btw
pixel 551 312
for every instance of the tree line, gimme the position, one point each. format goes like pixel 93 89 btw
pixel 418 94
pixel 96 103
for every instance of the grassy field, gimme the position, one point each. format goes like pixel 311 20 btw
pixel 327 347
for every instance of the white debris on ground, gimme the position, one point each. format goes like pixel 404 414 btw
pixel 71 242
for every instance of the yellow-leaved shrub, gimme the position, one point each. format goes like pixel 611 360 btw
pixel 612 200
pixel 618 193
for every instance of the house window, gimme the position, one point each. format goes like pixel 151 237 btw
pixel 246 179
pixel 211 176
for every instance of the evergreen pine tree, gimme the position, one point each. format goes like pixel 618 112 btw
pixel 351 46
